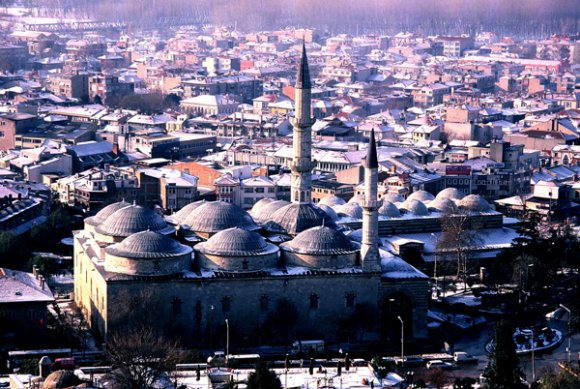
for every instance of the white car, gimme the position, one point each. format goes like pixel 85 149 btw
pixel 439 364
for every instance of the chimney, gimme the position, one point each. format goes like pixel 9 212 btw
pixel 35 271
pixel 41 279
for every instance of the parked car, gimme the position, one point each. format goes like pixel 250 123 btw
pixel 463 357
pixel 410 361
pixel 439 364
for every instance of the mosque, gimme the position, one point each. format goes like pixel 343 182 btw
pixel 281 272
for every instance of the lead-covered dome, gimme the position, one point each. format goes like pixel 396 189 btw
pixel 421 195
pixel 132 219
pixel 104 213
pixel 180 216
pixel 295 218
pixel 261 203
pixel 393 198
pixel 449 193
pixel 444 205
pixel 332 201
pixel 389 209
pixel 353 210
pixel 216 216
pixel 358 199
pixel 265 212
pixel 320 240
pixel 474 203
pixel 329 211
pixel 415 207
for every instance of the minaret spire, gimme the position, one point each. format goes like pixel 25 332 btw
pixel 371 260
pixel 302 140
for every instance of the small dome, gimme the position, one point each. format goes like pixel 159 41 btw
pixel 61 379
pixel 415 207
pixel 449 193
pixel 148 245
pixel 104 213
pixel 393 198
pixel 184 212
pixel 389 209
pixel 358 199
pixel 329 211
pixel 216 216
pixel 353 210
pixel 132 219
pixel 295 218
pixel 444 205
pixel 421 195
pixel 320 240
pixel 261 203
pixel 474 203
pixel 236 242
pixel 331 201
pixel 265 212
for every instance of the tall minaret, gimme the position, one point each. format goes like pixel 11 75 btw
pixel 302 141
pixel 370 257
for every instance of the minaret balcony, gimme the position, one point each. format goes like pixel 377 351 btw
pixel 371 204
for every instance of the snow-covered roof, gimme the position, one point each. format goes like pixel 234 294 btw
pixel 17 287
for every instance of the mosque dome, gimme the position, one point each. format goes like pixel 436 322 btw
pixel 261 203
pixel 61 379
pixel 132 219
pixel 215 216
pixel 450 193
pixel 445 205
pixel 393 198
pixel 358 199
pixel 421 195
pixel 184 212
pixel 147 245
pixel 415 207
pixel 265 212
pixel 295 218
pixel 353 210
pixel 320 240
pixel 332 201
pixel 104 213
pixel 329 211
pixel 474 203
pixel 389 209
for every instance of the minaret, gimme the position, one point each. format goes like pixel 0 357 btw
pixel 302 141
pixel 370 257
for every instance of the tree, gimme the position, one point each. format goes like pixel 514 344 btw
pixel 141 358
pixel 263 378
pixel 464 383
pixel 503 371
pixel 563 379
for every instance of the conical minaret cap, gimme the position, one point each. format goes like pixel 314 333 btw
pixel 303 76
pixel 371 160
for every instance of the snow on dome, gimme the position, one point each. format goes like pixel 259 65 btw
pixel 332 201
pixel 320 240
pixel 265 211
pixel 416 207
pixel 358 199
pixel 389 209
pixel 104 213
pixel 353 210
pixel 329 211
pixel 421 195
pixel 236 242
pixel 184 212
pixel 215 216
pixel 148 245
pixel 393 198
pixel 474 203
pixel 295 218
pixel 449 193
pixel 132 219
pixel 444 205
pixel 261 203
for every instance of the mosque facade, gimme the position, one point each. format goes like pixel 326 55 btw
pixel 281 272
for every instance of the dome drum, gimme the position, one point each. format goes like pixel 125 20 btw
pixel 148 267
pixel 320 261
pixel 237 263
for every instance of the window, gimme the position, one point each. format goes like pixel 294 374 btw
pixel 349 300
pixel 264 301
pixel 226 304
pixel 259 190
pixel 176 306
pixel 1 134
pixel 314 301
pixel 248 190
pixel 271 190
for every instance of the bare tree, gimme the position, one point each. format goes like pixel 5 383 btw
pixel 141 358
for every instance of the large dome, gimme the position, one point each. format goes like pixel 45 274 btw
pixel 421 195
pixel 331 201
pixel 474 203
pixel 389 209
pixel 236 242
pixel 353 210
pixel 415 207
pixel 393 198
pixel 320 240
pixel 216 216
pixel 148 245
pixel 295 218
pixel 132 219
pixel 104 213
pixel 358 199
pixel 444 205
pixel 261 203
pixel 329 211
pixel 180 216
pixel 449 193
pixel 265 212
